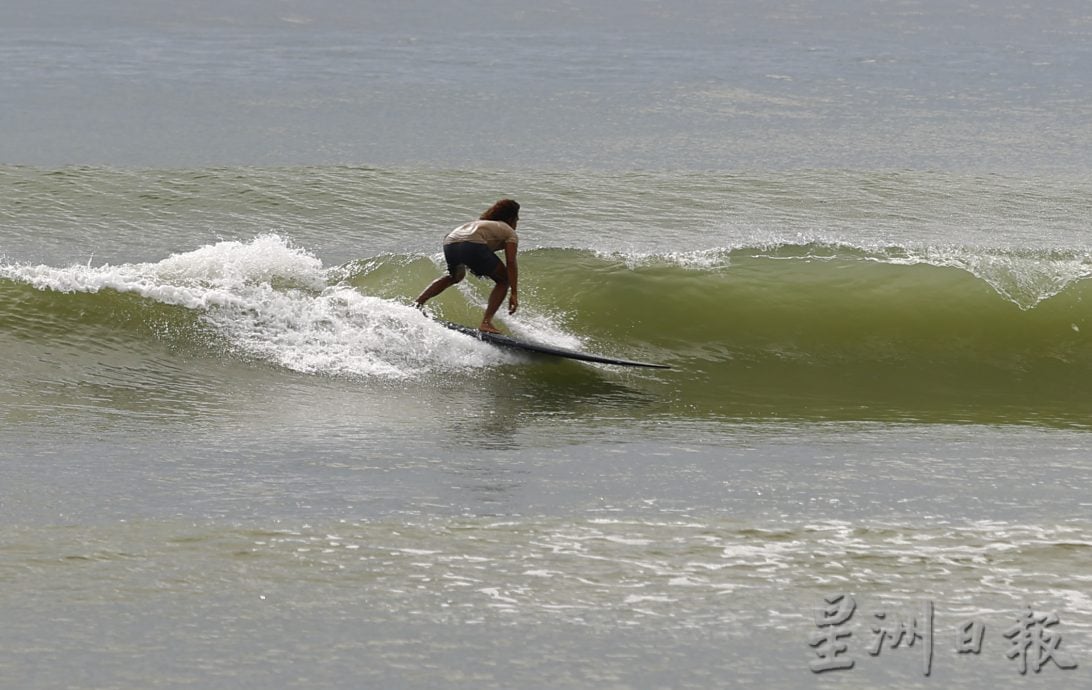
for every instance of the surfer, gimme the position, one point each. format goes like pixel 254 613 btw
pixel 472 246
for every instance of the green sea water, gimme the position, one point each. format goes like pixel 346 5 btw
pixel 854 316
pixel 233 455
pixel 226 427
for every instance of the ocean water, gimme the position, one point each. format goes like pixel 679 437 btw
pixel 232 454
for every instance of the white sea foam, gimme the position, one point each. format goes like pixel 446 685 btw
pixel 539 327
pixel 1022 276
pixel 270 300
pixel 1024 279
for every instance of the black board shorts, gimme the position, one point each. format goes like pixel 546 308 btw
pixel 476 256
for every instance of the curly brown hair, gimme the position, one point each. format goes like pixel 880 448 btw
pixel 505 210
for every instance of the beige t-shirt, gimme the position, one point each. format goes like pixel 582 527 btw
pixel 492 233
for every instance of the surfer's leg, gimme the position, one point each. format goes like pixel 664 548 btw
pixel 440 284
pixel 496 297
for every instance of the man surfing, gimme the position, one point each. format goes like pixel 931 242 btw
pixel 472 245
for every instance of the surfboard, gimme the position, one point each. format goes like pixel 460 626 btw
pixel 509 342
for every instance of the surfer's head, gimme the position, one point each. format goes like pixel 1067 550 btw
pixel 504 210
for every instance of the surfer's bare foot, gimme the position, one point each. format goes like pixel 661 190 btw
pixel 488 328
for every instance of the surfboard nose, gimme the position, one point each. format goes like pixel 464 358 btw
pixel 507 341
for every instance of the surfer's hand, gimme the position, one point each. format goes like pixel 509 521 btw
pixel 513 303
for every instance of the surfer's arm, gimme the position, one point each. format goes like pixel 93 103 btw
pixel 513 276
